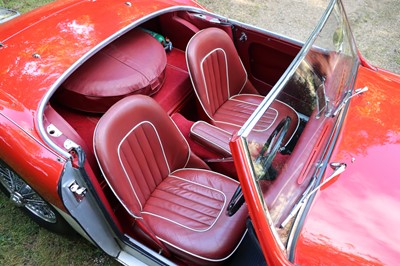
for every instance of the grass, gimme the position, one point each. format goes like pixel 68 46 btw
pixel 23 6
pixel 23 242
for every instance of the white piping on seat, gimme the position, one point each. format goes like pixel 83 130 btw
pixel 226 70
pixel 270 108
pixel 182 225
pixel 108 182
pixel 191 78
pixel 245 81
pixel 122 164
pixel 123 167
pixel 205 84
pixel 183 137
pixel 249 103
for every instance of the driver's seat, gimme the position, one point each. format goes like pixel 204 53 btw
pixel 223 89
pixel 175 199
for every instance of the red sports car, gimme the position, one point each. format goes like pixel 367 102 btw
pixel 167 134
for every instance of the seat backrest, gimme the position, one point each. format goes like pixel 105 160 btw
pixel 216 71
pixel 137 145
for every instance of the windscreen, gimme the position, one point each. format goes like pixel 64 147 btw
pixel 285 157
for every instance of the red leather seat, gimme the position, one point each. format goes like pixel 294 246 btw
pixel 170 191
pixel 223 89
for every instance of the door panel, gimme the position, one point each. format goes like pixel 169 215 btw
pixel 265 56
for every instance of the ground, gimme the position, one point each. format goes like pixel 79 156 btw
pixel 375 24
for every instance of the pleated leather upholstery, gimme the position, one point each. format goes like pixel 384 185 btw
pixel 145 160
pixel 234 113
pixel 137 146
pixel 216 75
pixel 219 77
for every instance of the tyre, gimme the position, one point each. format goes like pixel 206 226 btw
pixel 24 197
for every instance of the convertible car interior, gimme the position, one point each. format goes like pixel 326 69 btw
pixel 154 112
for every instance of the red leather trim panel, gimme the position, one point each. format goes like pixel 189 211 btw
pixel 177 88
pixel 211 137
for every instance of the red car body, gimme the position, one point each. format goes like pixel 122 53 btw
pixel 351 220
pixel 57 49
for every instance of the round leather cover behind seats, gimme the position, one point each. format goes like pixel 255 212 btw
pixel 133 64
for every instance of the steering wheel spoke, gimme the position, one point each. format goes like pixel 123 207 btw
pixel 265 158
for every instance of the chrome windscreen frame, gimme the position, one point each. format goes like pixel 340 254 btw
pixel 280 85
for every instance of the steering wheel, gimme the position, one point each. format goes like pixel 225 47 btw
pixel 265 158
pixel 271 147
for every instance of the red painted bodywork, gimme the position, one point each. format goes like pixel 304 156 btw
pixel 59 33
pixel 273 253
pixel 354 220
pixel 351 220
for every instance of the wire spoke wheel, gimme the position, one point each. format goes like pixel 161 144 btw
pixel 23 196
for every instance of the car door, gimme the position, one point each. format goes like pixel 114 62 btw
pixel 265 55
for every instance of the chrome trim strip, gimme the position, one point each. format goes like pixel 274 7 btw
pixel 15 14
pixel 46 98
pixel 101 45
pixel 33 137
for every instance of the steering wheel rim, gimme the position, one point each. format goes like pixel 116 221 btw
pixel 265 157
pixel 267 154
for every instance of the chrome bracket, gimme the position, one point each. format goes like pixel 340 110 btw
pixel 53 131
pixel 243 37
pixel 78 191
pixel 69 144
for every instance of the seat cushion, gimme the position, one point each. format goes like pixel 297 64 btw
pixel 133 64
pixel 187 212
pixel 232 115
pixel 211 137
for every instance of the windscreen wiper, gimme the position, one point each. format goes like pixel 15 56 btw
pixel 338 167
pixel 347 98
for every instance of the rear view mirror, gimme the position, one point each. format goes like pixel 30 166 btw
pixel 338 37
